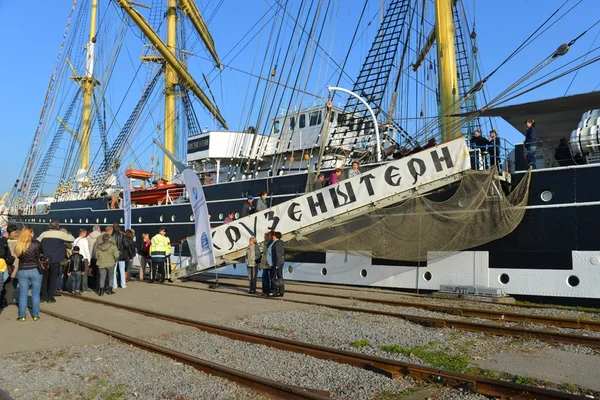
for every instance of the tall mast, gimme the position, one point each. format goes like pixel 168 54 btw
pixel 88 83
pixel 444 32
pixel 170 82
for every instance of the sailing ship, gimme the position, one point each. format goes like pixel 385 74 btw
pixel 499 229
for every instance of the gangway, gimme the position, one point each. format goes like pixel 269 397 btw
pixel 380 187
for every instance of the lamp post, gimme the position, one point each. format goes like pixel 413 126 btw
pixel 377 139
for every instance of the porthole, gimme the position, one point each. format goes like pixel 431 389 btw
pixel 161 218
pixel 363 273
pixel 427 276
pixel 234 266
pixel 573 281
pixel 504 279
pixel 172 218
pixel 221 216
pixel 66 220
pixel 290 269
pixel 192 217
pixel 87 221
pixel 323 271
pixel 71 220
pixel 237 215
pixel 104 220
pixel 121 220
pixel 97 220
pixel 80 220
pixel 140 219
pixel 546 196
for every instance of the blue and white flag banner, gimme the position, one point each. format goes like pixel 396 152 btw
pixel 202 241
pixel 126 202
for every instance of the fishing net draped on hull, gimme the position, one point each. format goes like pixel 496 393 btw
pixel 477 212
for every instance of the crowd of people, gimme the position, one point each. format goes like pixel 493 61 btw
pixel 56 261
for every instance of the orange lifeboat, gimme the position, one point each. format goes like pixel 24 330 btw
pixel 157 194
pixel 137 174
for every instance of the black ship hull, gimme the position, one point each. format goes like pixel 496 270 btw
pixel 554 251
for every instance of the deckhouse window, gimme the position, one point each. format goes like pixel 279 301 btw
pixel 315 118
pixel 302 122
pixel 332 116
pixel 276 127
pixel 292 123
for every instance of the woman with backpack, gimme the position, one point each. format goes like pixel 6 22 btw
pixel 130 252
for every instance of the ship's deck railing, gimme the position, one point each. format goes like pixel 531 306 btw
pixel 482 157
pixel 175 195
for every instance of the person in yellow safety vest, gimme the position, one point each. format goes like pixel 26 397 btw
pixel 160 247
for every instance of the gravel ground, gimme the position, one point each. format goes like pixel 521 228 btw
pixel 402 340
pixel 344 381
pixel 110 371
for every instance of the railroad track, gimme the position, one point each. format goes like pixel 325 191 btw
pixel 468 326
pixel 266 386
pixel 388 367
pixel 460 311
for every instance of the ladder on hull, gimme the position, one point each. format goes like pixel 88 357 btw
pixel 380 187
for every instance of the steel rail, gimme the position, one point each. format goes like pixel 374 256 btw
pixel 463 312
pixel 388 367
pixel 498 330
pixel 266 386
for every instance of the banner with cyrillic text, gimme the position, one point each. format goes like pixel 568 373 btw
pixel 376 184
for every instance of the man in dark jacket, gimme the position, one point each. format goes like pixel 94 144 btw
pixel 76 270
pixel 53 243
pixel 278 261
pixel 248 207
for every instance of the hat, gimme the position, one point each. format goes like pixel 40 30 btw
pixel 162 228
pixel 250 197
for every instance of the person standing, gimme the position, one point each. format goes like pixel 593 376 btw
pixel 277 263
pixel 252 262
pixel 9 259
pixel 531 143
pixel 494 149
pixel 106 255
pixel 479 145
pixel 84 251
pixel 92 270
pixel 159 247
pixel 13 281
pixel 76 270
pixel 130 253
pixel 28 250
pixel 354 171
pixel 265 266
pixel 229 218
pixel 320 182
pixel 53 245
pixel 248 207
pixel 261 202
pixel 145 254
pixel 119 240
pixel 334 177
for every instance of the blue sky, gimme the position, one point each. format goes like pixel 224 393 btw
pixel 31 40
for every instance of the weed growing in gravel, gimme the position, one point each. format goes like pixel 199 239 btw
pixel 435 358
pixel 104 390
pixel 570 388
pixel 522 380
pixel 360 343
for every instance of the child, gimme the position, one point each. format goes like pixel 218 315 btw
pixel 76 270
